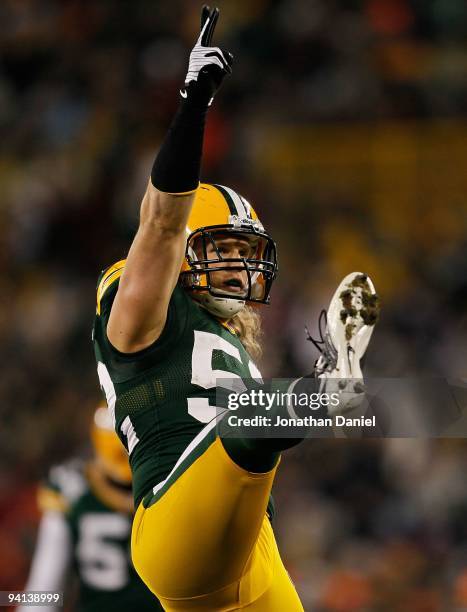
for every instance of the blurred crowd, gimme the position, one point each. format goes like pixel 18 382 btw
pixel 375 526
pixel 344 123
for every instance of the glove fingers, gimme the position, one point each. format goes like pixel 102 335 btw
pixel 204 15
pixel 211 78
pixel 211 27
pixel 207 65
pixel 222 59
pixel 216 61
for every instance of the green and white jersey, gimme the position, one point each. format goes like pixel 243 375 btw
pixel 81 534
pixel 163 398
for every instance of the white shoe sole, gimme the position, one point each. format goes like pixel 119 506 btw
pixel 351 317
pixel 352 314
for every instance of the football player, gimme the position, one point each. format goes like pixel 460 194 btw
pixel 87 510
pixel 178 314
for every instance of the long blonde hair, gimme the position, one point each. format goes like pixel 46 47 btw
pixel 247 324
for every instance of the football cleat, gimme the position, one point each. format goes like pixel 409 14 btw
pixel 350 321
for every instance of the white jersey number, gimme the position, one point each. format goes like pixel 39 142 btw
pixel 104 564
pixel 206 377
pixel 107 386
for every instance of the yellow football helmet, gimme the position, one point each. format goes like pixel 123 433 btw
pixel 220 212
pixel 110 452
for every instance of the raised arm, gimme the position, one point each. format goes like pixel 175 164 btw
pixel 153 264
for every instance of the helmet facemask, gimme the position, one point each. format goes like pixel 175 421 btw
pixel 204 259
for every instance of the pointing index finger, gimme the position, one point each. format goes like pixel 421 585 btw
pixel 209 27
pixel 204 15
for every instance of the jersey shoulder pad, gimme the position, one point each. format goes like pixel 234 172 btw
pixel 107 278
pixel 65 484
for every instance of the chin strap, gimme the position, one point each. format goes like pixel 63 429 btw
pixel 215 306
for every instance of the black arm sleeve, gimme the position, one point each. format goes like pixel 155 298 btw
pixel 178 164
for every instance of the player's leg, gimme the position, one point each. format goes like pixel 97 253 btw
pixel 280 594
pixel 192 546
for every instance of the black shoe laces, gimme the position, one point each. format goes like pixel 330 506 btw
pixel 327 362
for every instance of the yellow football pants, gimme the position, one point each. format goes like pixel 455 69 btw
pixel 208 545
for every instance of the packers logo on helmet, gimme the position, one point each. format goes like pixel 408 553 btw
pixel 218 213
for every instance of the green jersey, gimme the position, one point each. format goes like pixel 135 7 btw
pixel 98 543
pixel 163 398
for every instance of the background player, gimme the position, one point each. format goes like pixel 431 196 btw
pixel 85 528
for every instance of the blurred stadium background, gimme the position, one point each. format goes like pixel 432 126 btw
pixel 345 124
